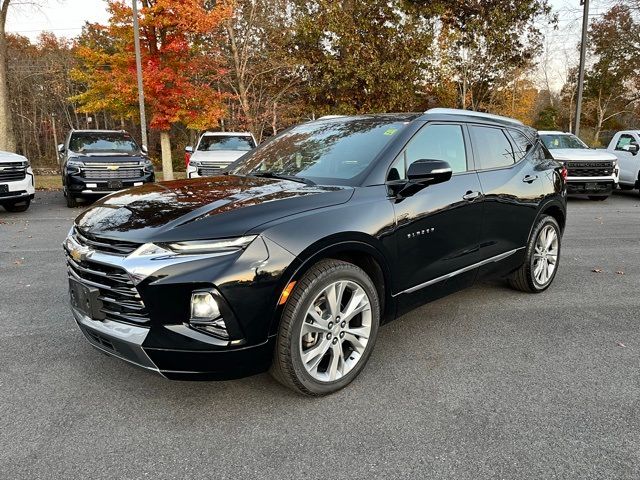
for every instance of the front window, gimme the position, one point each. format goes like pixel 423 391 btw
pixel 553 142
pixel 88 142
pixel 212 143
pixel 324 152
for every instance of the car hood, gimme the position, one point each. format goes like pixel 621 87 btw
pixel 223 156
pixel 7 157
pixel 107 157
pixel 203 208
pixel 581 154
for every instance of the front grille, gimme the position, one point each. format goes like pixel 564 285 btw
pixel 120 299
pixel 210 170
pixel 589 169
pixel 105 245
pixel 12 171
pixel 109 172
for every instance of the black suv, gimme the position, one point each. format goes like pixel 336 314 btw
pixel 97 162
pixel 294 257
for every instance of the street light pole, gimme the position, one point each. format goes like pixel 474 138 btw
pixel 583 53
pixel 136 42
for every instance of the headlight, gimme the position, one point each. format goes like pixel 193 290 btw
pixel 212 246
pixel 74 165
pixel 147 165
pixel 194 163
pixel 206 316
pixel 26 164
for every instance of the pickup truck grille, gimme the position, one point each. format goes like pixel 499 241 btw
pixel 589 169
pixel 12 172
pixel 112 171
pixel 120 299
pixel 210 170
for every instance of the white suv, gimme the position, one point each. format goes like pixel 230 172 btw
pixel 216 151
pixel 17 183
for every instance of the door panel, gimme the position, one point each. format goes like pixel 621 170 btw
pixel 512 196
pixel 438 230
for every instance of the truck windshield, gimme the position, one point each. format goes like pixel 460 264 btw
pixel 322 151
pixel 211 143
pixel 87 142
pixel 553 142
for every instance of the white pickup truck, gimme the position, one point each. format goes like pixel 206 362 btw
pixel 590 172
pixel 625 145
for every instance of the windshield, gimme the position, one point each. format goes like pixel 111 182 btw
pixel 102 142
pixel 211 143
pixel 553 142
pixel 322 151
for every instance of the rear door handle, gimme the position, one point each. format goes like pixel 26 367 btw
pixel 530 178
pixel 471 195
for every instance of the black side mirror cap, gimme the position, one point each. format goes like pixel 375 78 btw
pixel 429 172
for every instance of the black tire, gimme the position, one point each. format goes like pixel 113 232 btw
pixel 598 198
pixel 72 202
pixel 287 366
pixel 523 279
pixel 16 207
pixel 625 187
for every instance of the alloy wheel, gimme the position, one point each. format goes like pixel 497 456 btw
pixel 335 331
pixel 545 255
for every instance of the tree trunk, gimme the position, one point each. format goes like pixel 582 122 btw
pixel 167 162
pixel 7 140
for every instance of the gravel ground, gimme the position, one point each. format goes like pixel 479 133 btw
pixel 487 383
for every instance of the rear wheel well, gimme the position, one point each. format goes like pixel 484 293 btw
pixel 557 213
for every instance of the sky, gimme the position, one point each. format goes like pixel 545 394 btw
pixel 66 17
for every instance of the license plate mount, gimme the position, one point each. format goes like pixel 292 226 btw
pixel 114 184
pixel 591 186
pixel 86 299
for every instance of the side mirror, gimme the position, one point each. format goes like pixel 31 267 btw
pixel 61 148
pixel 429 172
pixel 144 149
pixel 421 174
pixel 188 149
pixel 633 148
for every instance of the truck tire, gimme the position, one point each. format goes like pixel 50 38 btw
pixel 15 207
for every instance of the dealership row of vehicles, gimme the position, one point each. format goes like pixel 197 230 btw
pixel 97 162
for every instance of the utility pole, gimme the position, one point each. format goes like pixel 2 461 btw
pixel 583 53
pixel 136 42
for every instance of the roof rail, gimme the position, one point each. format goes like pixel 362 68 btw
pixel 327 117
pixel 472 113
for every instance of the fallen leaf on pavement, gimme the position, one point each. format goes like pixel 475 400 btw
pixel 597 270
pixel 620 272
pixel 622 345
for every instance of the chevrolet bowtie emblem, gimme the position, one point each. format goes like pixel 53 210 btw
pixel 79 254
pixel 113 167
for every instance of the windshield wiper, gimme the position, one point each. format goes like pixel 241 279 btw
pixel 293 178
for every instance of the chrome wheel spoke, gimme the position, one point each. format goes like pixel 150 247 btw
pixel 335 331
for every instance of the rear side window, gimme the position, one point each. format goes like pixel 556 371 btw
pixel 432 142
pixel 492 147
pixel 522 144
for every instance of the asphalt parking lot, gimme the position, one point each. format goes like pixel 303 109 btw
pixel 487 383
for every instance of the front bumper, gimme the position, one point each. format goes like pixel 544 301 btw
pixel 127 342
pixel 590 185
pixel 77 185
pixel 19 189
pixel 163 340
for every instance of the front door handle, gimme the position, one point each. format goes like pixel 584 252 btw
pixel 530 178
pixel 470 195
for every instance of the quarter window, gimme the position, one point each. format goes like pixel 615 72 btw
pixel 492 147
pixel 522 144
pixel 432 142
